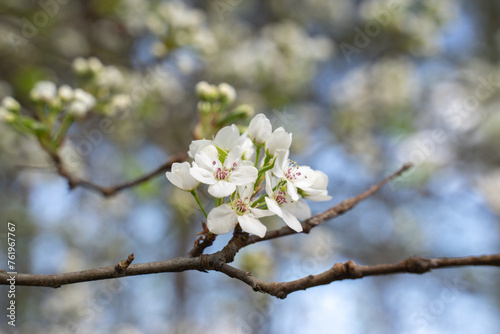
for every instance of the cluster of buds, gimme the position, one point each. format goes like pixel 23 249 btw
pixel 250 177
pixel 55 109
pixel 105 82
pixel 213 108
pixel 76 102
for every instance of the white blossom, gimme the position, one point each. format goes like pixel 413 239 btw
pixel 278 140
pixel 180 176
pixel 222 177
pixel 224 218
pixel 295 176
pixel 281 203
pixel 317 190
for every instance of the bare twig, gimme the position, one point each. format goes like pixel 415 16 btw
pixel 335 211
pixel 74 181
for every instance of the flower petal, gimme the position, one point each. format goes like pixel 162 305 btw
pixel 291 189
pixel 252 225
pixel 196 146
pixel 202 175
pixel 227 137
pixel 273 206
pixel 243 175
pixel 221 189
pixel 291 221
pixel 221 219
pixel 174 179
pixel 259 213
pixel 233 156
pixel 180 176
pixel 299 209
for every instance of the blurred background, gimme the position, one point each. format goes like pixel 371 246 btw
pixel 364 86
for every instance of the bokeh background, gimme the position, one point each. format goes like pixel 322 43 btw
pixel 363 86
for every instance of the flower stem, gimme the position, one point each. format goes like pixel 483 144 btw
pixel 257 156
pixel 195 195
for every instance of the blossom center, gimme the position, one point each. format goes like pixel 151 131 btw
pixel 241 207
pixel 223 173
pixel 281 197
pixel 292 171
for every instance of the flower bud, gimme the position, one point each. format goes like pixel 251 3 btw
pixel 206 92
pixel 44 91
pixel 80 66
pixel 227 93
pixel 260 129
pixel 77 109
pixel 11 104
pixel 6 116
pixel 65 93
pixel 95 65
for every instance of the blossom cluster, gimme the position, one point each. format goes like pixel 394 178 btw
pixel 77 101
pixel 245 187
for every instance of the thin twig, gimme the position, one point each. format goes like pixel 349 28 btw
pixel 74 181
pixel 335 211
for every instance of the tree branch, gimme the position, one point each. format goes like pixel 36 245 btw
pixel 74 181
pixel 349 270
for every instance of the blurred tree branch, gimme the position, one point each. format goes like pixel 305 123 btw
pixel 74 181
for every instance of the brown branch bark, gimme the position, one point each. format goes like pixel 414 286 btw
pixel 218 262
pixel 74 181
pixel 349 270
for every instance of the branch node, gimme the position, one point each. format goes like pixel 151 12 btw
pixel 122 266
pixel 418 265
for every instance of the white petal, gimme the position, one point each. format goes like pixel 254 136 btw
pixel 221 189
pixel 273 206
pixel 252 225
pixel 292 190
pixel 180 176
pixel 299 209
pixel 233 156
pixel 269 185
pixel 280 163
pixel 259 213
pixel 306 178
pixel 292 221
pixel 221 219
pixel 202 175
pixel 227 137
pixel 243 175
pixel 174 179
pixel 317 195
